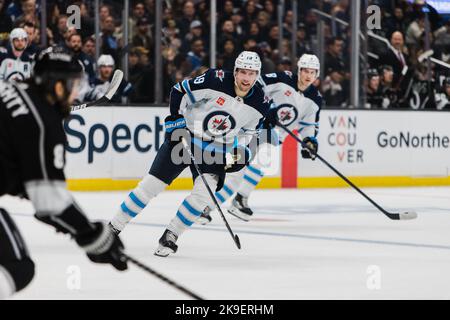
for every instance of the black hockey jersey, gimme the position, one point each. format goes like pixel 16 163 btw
pixel 32 155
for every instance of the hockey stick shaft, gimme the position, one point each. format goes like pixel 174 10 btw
pixel 161 277
pixel 112 89
pixel 393 216
pixel 211 194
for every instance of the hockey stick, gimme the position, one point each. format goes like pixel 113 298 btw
pixel 160 276
pixel 234 236
pixel 114 85
pixel 407 215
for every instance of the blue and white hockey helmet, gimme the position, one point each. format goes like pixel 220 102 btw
pixel 248 60
pixel 309 61
pixel 18 33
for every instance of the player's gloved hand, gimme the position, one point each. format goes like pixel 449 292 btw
pixel 102 245
pixel 172 123
pixel 310 147
pixel 237 159
pixel 271 119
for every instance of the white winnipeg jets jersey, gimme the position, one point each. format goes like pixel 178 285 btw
pixel 296 110
pixel 12 68
pixel 214 112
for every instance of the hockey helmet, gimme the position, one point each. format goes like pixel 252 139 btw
pixel 248 60
pixel 105 60
pixel 309 61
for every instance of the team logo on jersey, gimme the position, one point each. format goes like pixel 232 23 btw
pixel 287 114
pixel 218 123
pixel 220 101
pixel 288 93
pixel 220 74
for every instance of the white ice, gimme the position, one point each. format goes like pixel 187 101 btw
pixel 302 244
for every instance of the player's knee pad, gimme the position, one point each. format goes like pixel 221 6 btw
pixel 21 271
pixel 149 187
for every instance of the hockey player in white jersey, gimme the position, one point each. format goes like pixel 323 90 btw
pixel 296 105
pixel 15 62
pixel 219 113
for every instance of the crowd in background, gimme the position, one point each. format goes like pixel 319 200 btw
pixel 393 76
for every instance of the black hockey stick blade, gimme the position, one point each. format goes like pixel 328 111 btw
pixel 211 194
pixel 160 276
pixel 112 89
pixel 407 215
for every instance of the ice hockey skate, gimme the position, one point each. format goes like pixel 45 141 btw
pixel 167 244
pixel 240 209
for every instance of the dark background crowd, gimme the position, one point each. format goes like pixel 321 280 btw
pixel 392 76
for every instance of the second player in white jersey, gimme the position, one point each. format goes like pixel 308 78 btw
pixel 297 104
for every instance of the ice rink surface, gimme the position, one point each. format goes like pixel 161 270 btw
pixel 302 244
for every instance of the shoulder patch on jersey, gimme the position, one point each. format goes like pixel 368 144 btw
pixel 220 74
pixel 288 73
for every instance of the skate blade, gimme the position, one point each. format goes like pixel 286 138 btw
pixel 237 214
pixel 203 221
pixel 163 251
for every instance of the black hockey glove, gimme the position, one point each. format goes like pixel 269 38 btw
pixel 237 159
pixel 310 147
pixel 103 246
pixel 173 123
pixel 271 119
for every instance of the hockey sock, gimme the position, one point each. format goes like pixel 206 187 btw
pixel 193 206
pixel 231 185
pixel 252 176
pixel 148 188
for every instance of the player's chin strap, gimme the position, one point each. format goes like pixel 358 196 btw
pixel 407 215
pixel 160 276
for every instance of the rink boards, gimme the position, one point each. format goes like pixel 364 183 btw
pixel 111 148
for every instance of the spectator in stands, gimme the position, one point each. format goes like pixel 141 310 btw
pixel 303 44
pixel 189 15
pixel 89 48
pixel 32 32
pixel 415 32
pixel 254 31
pixel 387 85
pixel 59 30
pixel 196 32
pixel 109 43
pixel 285 64
pixel 397 21
pixel 74 46
pixel 227 11
pixel 142 37
pixel 273 36
pixel 263 21
pixel 229 55
pixel 334 87
pixel 375 99
pixel 87 22
pixel 138 13
pixel 396 56
pixel 5 22
pixel 141 76
pixel 228 33
pixel 269 8
pixel 264 51
pixel 334 55
pixel 196 55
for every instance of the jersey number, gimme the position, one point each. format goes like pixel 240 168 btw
pixel 199 79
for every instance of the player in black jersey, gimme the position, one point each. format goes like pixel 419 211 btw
pixel 32 160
